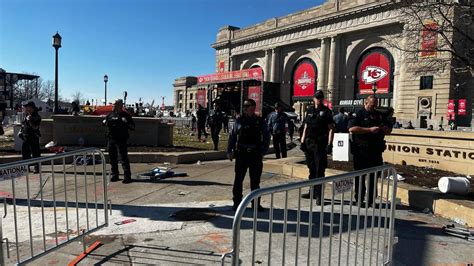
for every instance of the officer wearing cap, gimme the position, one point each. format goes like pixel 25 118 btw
pixel 30 133
pixel 248 143
pixel 277 124
pixel 368 129
pixel 118 123
pixel 316 141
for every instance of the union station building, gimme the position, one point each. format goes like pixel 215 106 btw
pixel 339 47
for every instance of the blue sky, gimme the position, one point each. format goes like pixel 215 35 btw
pixel 142 45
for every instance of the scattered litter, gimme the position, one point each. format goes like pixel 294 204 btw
pixel 456 185
pixel 199 163
pixel 183 193
pixel 459 221
pixel 426 210
pixel 166 163
pixel 463 233
pixel 162 173
pixel 212 205
pixel 87 160
pixel 126 221
pixel 469 177
pixel 443 243
pixel 399 177
pixel 50 144
pixel 258 262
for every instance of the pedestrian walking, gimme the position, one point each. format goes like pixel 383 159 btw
pixel 341 120
pixel 277 122
pixel 225 123
pixel 214 120
pixel 119 123
pixel 30 133
pixel 291 129
pixel 248 143
pixel 368 129
pixel 316 142
pixel 201 122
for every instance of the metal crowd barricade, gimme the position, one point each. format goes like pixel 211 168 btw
pixel 296 232
pixel 64 201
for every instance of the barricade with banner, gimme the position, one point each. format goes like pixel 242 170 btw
pixel 43 211
pixel 298 233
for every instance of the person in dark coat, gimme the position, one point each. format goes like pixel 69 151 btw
pixel 214 120
pixel 201 122
pixel 119 122
pixel 30 133
pixel 277 122
pixel 248 143
pixel 368 132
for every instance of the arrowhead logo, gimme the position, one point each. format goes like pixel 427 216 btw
pixel 304 81
pixel 373 74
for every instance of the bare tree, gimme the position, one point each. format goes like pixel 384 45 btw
pixel 437 34
pixel 78 97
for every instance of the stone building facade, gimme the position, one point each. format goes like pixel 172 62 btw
pixel 339 38
pixel 185 95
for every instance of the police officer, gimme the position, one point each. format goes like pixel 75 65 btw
pixel 214 120
pixel 368 129
pixel 277 122
pixel 118 123
pixel 201 114
pixel 30 133
pixel 316 141
pixel 248 143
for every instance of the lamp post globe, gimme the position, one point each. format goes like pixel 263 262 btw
pixel 106 79
pixel 56 44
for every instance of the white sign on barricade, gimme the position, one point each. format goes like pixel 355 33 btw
pixel 12 172
pixel 342 186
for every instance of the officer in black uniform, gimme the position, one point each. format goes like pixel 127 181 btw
pixel 316 141
pixel 368 129
pixel 30 133
pixel 214 120
pixel 201 114
pixel 118 123
pixel 277 123
pixel 248 143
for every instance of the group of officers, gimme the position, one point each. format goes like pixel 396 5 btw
pixel 249 141
pixel 250 137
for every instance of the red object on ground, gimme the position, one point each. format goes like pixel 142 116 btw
pixel 126 221
pixel 84 254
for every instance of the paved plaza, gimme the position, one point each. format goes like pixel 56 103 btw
pixel 160 234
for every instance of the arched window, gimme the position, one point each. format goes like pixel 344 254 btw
pixel 304 79
pixel 374 71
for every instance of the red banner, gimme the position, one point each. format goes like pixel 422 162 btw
pixel 221 67
pixel 429 39
pixel 201 97
pixel 374 69
pixel 246 74
pixel 462 107
pixel 255 93
pixel 450 114
pixel 304 80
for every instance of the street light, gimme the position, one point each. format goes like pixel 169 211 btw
pixel 374 87
pixel 56 44
pixel 106 79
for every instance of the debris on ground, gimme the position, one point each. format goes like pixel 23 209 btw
pixel 162 173
pixel 126 221
pixel 399 177
pixel 463 233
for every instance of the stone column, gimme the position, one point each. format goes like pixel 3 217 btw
pixel 274 70
pixel 266 69
pixel 332 72
pixel 231 63
pixel 322 67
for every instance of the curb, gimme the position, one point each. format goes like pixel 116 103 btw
pixel 448 206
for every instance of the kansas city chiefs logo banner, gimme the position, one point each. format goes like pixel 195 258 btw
pixel 375 69
pixel 373 74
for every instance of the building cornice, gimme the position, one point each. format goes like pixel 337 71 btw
pixel 306 23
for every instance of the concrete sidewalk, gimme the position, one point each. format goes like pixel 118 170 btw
pixel 158 236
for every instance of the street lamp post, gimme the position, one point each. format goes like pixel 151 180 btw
pixel 106 79
pixel 56 44
pixel 374 87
